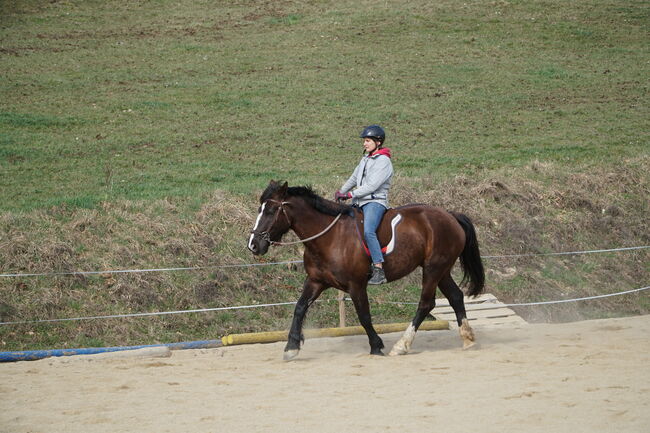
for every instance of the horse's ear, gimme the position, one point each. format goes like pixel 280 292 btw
pixel 283 190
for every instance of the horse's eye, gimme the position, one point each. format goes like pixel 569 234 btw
pixel 268 211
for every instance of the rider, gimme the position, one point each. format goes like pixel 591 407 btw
pixel 371 180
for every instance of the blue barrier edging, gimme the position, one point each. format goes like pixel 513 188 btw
pixel 32 355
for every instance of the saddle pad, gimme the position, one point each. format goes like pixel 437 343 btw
pixel 393 237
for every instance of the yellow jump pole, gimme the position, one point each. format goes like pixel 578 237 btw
pixel 275 336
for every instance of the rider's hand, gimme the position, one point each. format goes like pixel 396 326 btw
pixel 339 196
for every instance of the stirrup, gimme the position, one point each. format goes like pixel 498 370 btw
pixel 378 276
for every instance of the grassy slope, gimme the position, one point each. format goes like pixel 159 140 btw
pixel 138 135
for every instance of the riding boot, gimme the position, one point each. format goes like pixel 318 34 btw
pixel 378 276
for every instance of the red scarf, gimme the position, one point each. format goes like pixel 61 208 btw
pixel 381 151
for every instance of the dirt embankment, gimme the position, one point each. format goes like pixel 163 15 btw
pixel 533 209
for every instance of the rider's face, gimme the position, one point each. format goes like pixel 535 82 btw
pixel 369 144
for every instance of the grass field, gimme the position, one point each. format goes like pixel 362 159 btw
pixel 140 134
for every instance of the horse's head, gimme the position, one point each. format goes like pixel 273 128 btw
pixel 272 220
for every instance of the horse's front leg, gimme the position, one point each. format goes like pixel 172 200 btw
pixel 310 292
pixel 359 297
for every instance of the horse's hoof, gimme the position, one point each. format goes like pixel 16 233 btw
pixel 395 351
pixel 377 353
pixel 467 334
pixel 468 344
pixel 290 354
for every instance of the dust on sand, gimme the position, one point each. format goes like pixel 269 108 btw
pixel 575 377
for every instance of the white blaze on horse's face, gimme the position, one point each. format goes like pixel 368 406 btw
pixel 257 222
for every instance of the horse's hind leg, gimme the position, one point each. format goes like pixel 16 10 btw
pixel 452 292
pixel 430 278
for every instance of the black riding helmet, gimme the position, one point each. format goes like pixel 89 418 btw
pixel 374 131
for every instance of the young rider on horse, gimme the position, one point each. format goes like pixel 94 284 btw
pixel 371 180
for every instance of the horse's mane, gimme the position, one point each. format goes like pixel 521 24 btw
pixel 317 202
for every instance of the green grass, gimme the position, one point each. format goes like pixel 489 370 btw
pixel 104 101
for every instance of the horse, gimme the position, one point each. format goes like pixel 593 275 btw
pixel 335 256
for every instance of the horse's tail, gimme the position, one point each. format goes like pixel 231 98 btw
pixel 470 258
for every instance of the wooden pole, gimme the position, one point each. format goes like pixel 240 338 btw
pixel 341 299
pixel 272 337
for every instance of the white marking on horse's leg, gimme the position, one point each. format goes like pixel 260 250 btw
pixel 257 222
pixel 467 334
pixel 290 354
pixel 403 346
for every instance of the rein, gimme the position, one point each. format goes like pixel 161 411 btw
pixel 311 238
pixel 265 235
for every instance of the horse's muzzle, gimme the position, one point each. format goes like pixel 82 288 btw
pixel 258 245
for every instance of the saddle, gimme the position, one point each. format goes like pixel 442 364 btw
pixel 386 232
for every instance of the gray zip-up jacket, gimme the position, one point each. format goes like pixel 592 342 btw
pixel 371 178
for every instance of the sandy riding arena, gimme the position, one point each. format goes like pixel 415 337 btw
pixel 591 376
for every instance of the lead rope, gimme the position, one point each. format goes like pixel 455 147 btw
pixel 311 238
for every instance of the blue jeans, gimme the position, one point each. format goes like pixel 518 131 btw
pixel 372 214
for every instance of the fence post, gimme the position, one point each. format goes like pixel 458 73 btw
pixel 341 299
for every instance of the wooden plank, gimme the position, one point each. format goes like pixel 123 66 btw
pixel 486 297
pixel 494 321
pixel 484 310
pixel 500 312
pixel 452 318
pixel 468 308
pixel 510 320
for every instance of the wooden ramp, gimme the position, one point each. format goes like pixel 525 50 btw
pixel 484 310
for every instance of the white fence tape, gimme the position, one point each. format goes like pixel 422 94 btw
pixel 132 271
pixel 567 253
pixel 245 265
pixel 202 310
pixel 160 313
pixel 530 304
pixel 241 307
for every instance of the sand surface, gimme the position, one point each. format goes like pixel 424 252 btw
pixel 591 376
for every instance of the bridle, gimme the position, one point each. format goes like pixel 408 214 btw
pixel 265 235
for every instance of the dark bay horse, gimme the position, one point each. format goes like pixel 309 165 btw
pixel 334 256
